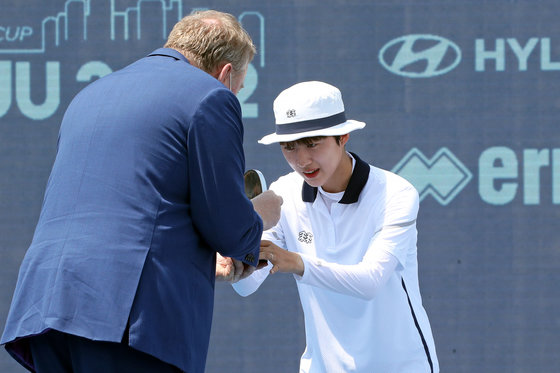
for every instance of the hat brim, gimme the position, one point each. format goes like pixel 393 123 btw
pixel 340 129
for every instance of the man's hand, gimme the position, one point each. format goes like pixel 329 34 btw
pixel 231 270
pixel 267 205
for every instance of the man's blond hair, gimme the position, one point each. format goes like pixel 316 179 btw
pixel 210 38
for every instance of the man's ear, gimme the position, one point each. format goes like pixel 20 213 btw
pixel 222 72
pixel 344 139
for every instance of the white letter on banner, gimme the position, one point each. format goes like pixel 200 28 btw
pixel 533 160
pixel 25 32
pixel 23 91
pixel 92 69
pixel 497 163
pixel 522 54
pixel 481 54
pixel 546 64
pixel 556 176
pixel 5 87
pixel 249 110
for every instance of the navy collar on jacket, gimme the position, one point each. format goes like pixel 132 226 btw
pixel 169 52
pixel 355 186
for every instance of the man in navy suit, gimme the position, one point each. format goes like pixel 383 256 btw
pixel 146 188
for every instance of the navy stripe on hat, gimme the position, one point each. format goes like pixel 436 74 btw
pixel 310 125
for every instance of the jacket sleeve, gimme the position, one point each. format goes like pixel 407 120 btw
pixel 221 212
pixel 249 285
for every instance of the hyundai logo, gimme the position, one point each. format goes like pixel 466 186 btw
pixel 420 56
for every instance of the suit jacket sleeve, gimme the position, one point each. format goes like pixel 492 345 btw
pixel 220 210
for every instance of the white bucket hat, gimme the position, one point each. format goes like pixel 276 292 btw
pixel 310 109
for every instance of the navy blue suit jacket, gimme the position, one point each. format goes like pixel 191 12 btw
pixel 146 187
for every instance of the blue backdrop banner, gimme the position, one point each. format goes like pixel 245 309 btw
pixel 460 98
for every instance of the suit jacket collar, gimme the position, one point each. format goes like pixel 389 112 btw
pixel 169 52
pixel 355 186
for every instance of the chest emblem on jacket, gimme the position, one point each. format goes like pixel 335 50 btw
pixel 306 237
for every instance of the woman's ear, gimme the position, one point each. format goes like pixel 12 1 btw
pixel 344 139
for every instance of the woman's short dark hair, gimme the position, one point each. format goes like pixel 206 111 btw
pixel 310 140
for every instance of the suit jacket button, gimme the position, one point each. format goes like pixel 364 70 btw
pixel 249 258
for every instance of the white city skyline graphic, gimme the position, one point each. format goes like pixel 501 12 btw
pixel 122 24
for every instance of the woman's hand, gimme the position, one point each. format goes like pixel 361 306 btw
pixel 282 260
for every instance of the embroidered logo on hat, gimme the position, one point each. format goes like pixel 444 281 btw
pixel 291 113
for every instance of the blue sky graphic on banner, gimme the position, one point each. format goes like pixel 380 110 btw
pixel 460 98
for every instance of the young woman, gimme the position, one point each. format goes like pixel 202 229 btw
pixel 348 234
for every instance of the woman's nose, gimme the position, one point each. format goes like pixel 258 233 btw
pixel 303 160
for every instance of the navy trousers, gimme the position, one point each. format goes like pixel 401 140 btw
pixel 56 352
